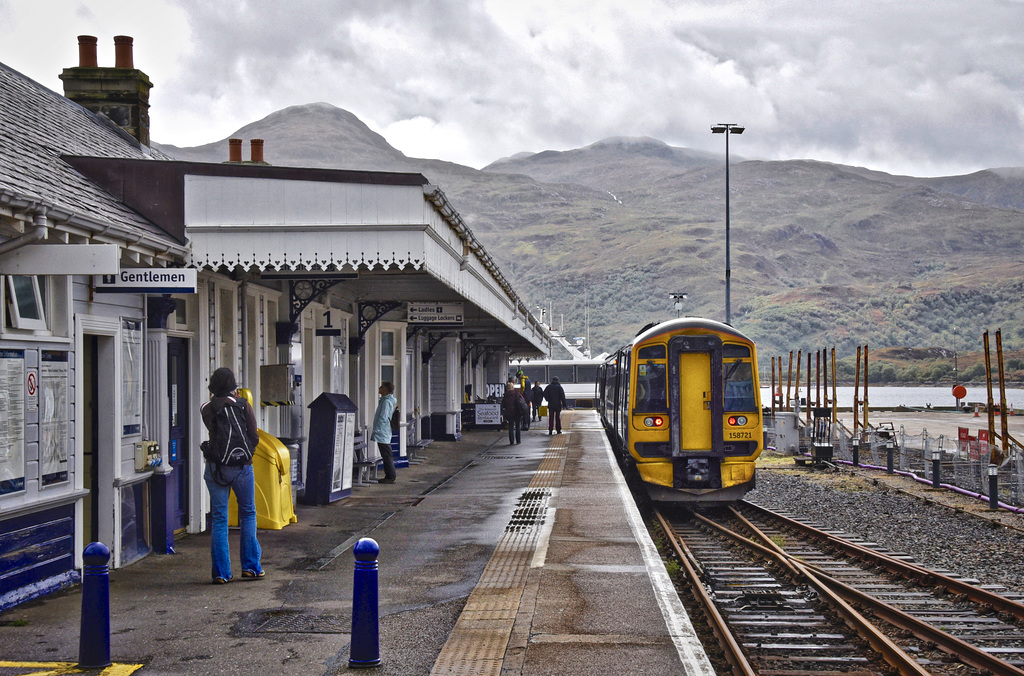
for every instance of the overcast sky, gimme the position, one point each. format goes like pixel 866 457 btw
pixel 921 87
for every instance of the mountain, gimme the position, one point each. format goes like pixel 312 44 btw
pixel 822 254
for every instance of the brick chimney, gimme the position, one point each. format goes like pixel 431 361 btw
pixel 120 93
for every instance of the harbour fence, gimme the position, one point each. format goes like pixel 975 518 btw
pixel 964 465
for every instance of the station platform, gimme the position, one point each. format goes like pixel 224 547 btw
pixel 495 559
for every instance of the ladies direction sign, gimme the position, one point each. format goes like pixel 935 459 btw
pixel 435 313
pixel 148 280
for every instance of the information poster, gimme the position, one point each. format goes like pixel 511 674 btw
pixel 131 371
pixel 12 421
pixel 343 433
pixel 53 417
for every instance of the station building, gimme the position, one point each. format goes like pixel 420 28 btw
pixel 127 277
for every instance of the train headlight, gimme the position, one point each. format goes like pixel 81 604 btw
pixel 737 420
pixel 654 421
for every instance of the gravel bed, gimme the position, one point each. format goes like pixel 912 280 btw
pixel 935 535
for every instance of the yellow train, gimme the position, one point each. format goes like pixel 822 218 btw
pixel 682 402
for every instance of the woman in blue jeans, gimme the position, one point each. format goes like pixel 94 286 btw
pixel 221 480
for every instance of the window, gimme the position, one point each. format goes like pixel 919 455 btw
pixel 25 300
pixel 387 343
pixel 650 388
pixel 739 386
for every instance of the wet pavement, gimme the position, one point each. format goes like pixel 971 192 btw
pixel 467 584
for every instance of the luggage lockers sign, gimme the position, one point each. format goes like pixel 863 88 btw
pixel 435 313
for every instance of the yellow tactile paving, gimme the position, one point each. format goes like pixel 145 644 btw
pixel 21 668
pixel 477 645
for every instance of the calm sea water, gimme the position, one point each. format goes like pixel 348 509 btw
pixel 880 397
pixel 915 397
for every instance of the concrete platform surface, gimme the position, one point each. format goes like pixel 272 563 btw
pixel 495 559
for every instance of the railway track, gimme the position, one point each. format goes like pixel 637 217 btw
pixel 784 597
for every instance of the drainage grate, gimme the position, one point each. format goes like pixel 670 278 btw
pixel 530 510
pixel 302 622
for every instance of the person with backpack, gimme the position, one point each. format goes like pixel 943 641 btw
pixel 233 438
pixel 385 420
pixel 515 410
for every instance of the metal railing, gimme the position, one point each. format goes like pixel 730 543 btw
pixel 963 465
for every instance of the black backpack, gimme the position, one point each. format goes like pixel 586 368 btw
pixel 229 442
pixel 396 420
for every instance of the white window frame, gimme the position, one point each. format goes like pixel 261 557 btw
pixel 17 319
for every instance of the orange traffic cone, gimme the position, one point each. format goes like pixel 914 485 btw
pixel 975 410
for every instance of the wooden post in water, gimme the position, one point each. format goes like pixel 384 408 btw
pixel 993 452
pixel 1005 438
pixel 866 407
pixel 809 405
pixel 817 378
pixel 799 361
pixel 856 394
pixel 789 381
pixel 835 399
pixel 773 387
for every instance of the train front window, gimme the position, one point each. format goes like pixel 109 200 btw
pixel 650 388
pixel 739 386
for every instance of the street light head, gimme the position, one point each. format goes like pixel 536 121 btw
pixel 724 127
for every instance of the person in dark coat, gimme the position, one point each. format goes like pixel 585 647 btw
pixel 555 396
pixel 537 399
pixel 512 409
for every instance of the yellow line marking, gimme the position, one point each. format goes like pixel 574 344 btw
pixel 61 668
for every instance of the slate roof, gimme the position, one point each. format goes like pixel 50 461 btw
pixel 37 127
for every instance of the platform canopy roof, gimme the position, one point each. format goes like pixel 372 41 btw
pixel 398 233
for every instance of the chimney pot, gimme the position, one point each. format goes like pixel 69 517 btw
pixel 123 52
pixel 234 150
pixel 256 149
pixel 87 51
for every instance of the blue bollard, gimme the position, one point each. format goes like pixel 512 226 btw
pixel 94 636
pixel 365 646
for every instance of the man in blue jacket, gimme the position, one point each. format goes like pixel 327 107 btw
pixel 382 429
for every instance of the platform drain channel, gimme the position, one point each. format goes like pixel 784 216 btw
pixel 478 642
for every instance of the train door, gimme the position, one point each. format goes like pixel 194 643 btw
pixel 695 404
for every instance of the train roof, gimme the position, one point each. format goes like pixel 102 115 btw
pixel 683 323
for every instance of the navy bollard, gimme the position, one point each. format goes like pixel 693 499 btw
pixel 936 469
pixel 856 453
pixel 365 647
pixel 94 636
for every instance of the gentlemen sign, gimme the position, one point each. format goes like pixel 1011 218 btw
pixel 148 280
pixel 435 313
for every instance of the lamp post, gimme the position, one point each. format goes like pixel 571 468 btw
pixel 727 128
pixel 678 304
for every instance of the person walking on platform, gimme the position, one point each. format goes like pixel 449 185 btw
pixel 222 413
pixel 555 396
pixel 382 429
pixel 537 399
pixel 515 409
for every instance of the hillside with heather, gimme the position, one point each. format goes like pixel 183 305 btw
pixel 822 254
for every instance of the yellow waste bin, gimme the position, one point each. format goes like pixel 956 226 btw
pixel 271 467
pixel 543 410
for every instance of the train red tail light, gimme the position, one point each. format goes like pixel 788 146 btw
pixel 737 420
pixel 654 421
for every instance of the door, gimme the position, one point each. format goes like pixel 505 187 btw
pixel 695 395
pixel 179 405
